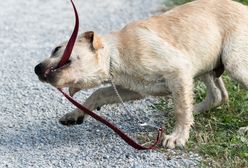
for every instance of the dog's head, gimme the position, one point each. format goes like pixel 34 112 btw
pixel 84 69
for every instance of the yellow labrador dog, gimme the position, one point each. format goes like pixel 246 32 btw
pixel 158 56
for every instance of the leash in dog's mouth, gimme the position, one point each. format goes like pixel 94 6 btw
pixel 53 69
pixel 64 62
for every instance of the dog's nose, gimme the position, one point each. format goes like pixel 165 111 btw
pixel 38 69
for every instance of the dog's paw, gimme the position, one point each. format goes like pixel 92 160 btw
pixel 74 118
pixel 176 139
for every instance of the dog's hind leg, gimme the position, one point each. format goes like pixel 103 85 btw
pixel 99 98
pixel 216 93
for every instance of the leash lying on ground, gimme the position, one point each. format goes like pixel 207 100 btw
pixel 125 137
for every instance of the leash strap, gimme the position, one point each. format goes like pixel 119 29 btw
pixel 71 42
pixel 125 137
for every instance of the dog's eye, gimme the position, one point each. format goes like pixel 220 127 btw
pixel 56 50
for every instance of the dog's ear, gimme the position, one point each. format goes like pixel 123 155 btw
pixel 94 39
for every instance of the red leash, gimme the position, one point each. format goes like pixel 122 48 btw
pixel 124 136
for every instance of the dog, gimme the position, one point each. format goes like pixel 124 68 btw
pixel 159 56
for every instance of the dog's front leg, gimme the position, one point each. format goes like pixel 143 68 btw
pixel 182 91
pixel 99 98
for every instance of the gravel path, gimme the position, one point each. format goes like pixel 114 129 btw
pixel 30 135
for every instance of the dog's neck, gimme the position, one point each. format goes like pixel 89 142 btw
pixel 111 55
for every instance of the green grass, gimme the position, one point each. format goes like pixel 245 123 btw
pixel 215 133
pixel 243 1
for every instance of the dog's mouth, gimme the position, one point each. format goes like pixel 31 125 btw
pixel 54 70
pixel 50 72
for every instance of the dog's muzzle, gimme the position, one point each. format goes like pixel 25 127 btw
pixel 40 71
pixel 43 72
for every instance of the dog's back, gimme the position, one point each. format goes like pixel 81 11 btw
pixel 198 29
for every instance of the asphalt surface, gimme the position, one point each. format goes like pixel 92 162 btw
pixel 30 135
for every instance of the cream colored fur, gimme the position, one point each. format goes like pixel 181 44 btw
pixel 161 55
